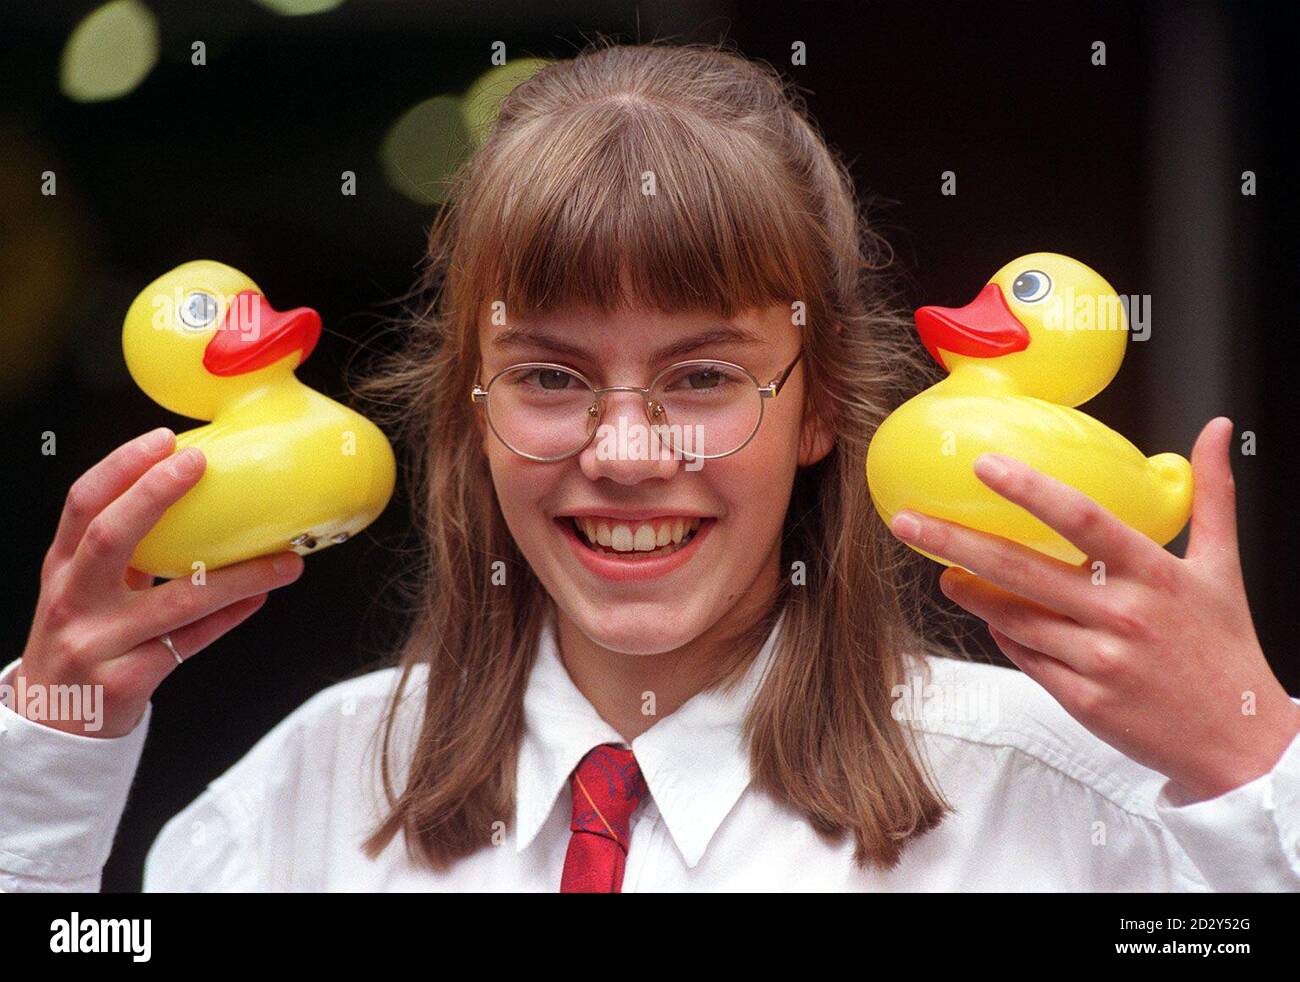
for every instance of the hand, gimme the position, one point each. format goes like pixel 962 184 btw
pixel 98 619
pixel 1159 657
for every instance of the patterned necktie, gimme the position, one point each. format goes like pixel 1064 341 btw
pixel 607 786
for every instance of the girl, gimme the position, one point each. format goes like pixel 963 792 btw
pixel 696 669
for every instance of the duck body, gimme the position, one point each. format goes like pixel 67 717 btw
pixel 1153 495
pixel 993 400
pixel 286 467
pixel 279 476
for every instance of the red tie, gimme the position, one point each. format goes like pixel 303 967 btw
pixel 607 786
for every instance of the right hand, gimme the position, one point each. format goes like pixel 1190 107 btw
pixel 98 619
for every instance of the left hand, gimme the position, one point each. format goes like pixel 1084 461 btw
pixel 1160 659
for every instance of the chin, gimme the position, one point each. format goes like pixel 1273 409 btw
pixel 636 628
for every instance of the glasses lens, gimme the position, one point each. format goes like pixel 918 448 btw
pixel 709 408
pixel 542 412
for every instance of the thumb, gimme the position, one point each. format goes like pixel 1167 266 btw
pixel 1213 536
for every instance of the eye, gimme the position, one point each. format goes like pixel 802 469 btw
pixel 549 378
pixel 198 310
pixel 1031 286
pixel 545 380
pixel 700 379
pixel 705 378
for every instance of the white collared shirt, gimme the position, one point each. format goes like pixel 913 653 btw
pixel 1041 804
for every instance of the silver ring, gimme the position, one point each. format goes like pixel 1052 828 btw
pixel 167 640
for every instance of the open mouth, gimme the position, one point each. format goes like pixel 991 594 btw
pixel 634 540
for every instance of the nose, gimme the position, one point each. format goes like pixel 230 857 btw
pixel 625 449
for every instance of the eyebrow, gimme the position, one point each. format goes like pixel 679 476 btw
pixel 723 334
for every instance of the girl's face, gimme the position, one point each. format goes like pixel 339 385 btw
pixel 639 601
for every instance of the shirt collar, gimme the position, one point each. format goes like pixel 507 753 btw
pixel 694 761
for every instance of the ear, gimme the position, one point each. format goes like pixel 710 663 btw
pixel 815 440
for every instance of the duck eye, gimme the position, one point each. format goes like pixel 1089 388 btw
pixel 1031 285
pixel 198 310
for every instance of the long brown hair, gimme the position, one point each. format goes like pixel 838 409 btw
pixel 750 209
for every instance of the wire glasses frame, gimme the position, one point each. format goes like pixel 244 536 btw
pixel 653 410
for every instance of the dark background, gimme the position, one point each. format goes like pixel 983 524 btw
pixel 1134 168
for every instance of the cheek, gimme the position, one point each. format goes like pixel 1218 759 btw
pixel 519 487
pixel 754 484
pixel 774 452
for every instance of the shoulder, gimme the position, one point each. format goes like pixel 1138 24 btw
pixel 965 708
pixel 310 785
pixel 352 704
pixel 333 727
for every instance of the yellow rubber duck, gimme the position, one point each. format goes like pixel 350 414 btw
pixel 1045 334
pixel 287 468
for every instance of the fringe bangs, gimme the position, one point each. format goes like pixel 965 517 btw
pixel 632 207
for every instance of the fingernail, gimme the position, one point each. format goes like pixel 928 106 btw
pixel 186 463
pixel 158 439
pixel 288 562
pixel 905 526
pixel 990 467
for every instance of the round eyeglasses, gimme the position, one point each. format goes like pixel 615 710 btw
pixel 701 409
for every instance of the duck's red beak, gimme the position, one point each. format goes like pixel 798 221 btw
pixel 984 328
pixel 255 334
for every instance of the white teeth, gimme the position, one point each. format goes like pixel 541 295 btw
pixel 645 537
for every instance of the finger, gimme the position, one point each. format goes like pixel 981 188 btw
pixel 178 602
pixel 152 661
pixel 1213 535
pixel 1019 569
pixel 1067 510
pixel 1028 623
pixel 1062 682
pixel 98 487
pixel 112 535
pixel 137 579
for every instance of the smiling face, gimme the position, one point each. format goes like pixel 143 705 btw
pixel 678 542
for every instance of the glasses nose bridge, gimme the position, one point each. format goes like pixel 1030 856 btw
pixel 642 391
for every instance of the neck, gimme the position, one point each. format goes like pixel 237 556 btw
pixel 276 381
pixel 982 376
pixel 617 684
